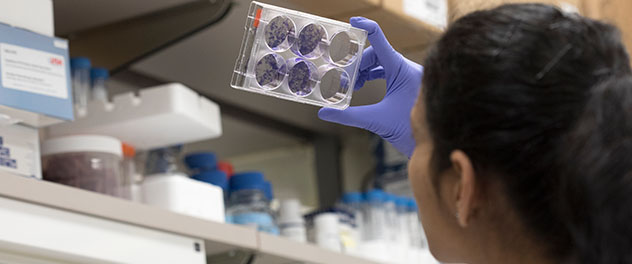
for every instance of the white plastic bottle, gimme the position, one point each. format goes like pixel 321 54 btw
pixel 392 229
pixel 376 237
pixel 291 221
pixel 353 201
pixel 403 236
pixel 327 232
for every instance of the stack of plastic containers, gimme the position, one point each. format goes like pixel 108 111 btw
pixel 249 202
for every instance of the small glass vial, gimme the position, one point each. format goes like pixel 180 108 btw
pixel 99 91
pixel 80 68
pixel 131 178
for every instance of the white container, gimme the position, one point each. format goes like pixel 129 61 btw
pixel 33 15
pixel 291 221
pixel 327 231
pixel 164 115
pixel 179 193
pixel 88 162
pixel 19 151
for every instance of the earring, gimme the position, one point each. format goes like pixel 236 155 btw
pixel 457 215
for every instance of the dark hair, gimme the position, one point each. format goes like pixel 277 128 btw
pixel 541 101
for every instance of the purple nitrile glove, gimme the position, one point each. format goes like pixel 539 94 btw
pixel 390 118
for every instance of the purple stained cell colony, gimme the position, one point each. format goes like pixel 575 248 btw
pixel 300 79
pixel 278 31
pixel 310 38
pixel 269 71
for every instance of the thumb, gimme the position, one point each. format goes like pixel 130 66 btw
pixel 355 116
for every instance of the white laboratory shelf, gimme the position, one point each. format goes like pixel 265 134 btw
pixel 279 250
pixel 218 237
pixel 159 116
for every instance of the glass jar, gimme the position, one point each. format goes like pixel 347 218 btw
pixel 248 203
pixel 88 162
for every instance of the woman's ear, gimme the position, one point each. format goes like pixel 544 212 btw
pixel 465 188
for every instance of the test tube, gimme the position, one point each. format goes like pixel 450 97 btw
pixel 99 78
pixel 270 71
pixel 343 48
pixel 334 83
pixel 311 41
pixel 279 33
pixel 80 83
pixel 302 76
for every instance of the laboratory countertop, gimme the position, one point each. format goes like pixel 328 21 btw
pixel 218 237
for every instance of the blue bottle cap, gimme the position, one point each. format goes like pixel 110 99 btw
pixel 401 201
pixel 80 63
pixel 352 197
pixel 412 205
pixel 203 161
pixel 375 196
pixel 217 178
pixel 268 190
pixel 99 73
pixel 389 197
pixel 247 180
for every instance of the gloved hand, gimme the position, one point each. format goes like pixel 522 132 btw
pixel 390 118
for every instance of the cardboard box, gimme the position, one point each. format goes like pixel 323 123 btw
pixel 19 151
pixel 616 12
pixel 409 25
pixel 459 8
pixel 34 77
pixel 328 8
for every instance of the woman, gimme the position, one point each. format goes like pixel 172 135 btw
pixel 522 149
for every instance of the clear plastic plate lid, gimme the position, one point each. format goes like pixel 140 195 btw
pixel 299 57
